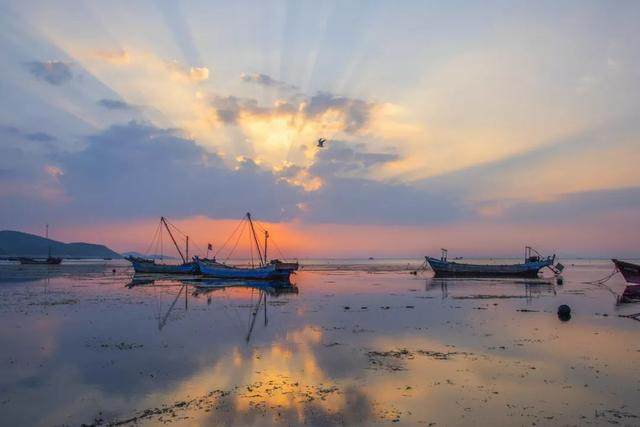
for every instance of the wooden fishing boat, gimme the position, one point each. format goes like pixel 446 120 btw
pixel 532 264
pixel 266 270
pixel 147 265
pixel 274 270
pixel 629 270
pixel 144 265
pixel 36 261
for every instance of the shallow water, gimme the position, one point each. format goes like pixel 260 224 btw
pixel 355 345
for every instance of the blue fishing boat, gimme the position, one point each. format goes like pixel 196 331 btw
pixel 149 265
pixel 274 270
pixel 265 270
pixel 532 264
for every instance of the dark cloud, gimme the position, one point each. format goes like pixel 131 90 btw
pixel 568 207
pixel 341 158
pixel 53 72
pixel 266 80
pixel 115 104
pixel 15 133
pixel 355 200
pixel 137 170
pixel 40 136
pixel 356 111
pixel 229 108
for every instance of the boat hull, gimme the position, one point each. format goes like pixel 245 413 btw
pixel 48 261
pixel 267 272
pixel 454 269
pixel 630 271
pixel 150 267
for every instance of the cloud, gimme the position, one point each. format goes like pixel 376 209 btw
pixel 266 80
pixel 338 157
pixel 568 207
pixel 346 197
pixel 330 111
pixel 229 108
pixel 138 170
pixel 198 74
pixel 192 74
pixel 53 72
pixel 118 57
pixel 40 136
pixel 115 104
pixel 356 111
pixel 15 135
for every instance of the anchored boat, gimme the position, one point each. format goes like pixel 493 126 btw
pixel 266 270
pixel 631 273
pixel 49 260
pixel 147 265
pixel 629 270
pixel 532 264
pixel 34 261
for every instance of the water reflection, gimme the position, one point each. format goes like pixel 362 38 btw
pixel 203 352
pixel 483 288
pixel 199 287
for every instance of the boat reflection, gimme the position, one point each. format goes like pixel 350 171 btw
pixel 470 288
pixel 209 287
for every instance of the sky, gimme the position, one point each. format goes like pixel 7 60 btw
pixel 476 126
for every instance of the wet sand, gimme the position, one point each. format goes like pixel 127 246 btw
pixel 352 345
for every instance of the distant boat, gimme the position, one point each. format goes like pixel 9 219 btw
pixel 630 271
pixel 35 261
pixel 533 262
pixel 49 260
pixel 147 265
pixel 266 270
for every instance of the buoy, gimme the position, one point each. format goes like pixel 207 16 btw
pixel 564 312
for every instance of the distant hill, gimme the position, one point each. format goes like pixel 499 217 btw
pixel 151 256
pixel 16 243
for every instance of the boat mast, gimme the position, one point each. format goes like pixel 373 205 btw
pixel 255 238
pixel 46 234
pixel 266 237
pixel 187 248
pixel 164 221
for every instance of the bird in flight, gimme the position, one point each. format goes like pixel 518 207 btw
pixel 321 142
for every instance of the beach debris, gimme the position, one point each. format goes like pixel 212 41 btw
pixel 393 360
pixel 488 296
pixel 67 301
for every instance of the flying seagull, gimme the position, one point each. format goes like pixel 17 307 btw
pixel 321 142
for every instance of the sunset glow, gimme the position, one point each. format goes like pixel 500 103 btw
pixel 519 128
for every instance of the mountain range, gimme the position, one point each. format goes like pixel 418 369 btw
pixel 17 244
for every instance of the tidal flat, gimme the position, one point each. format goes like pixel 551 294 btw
pixel 348 344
